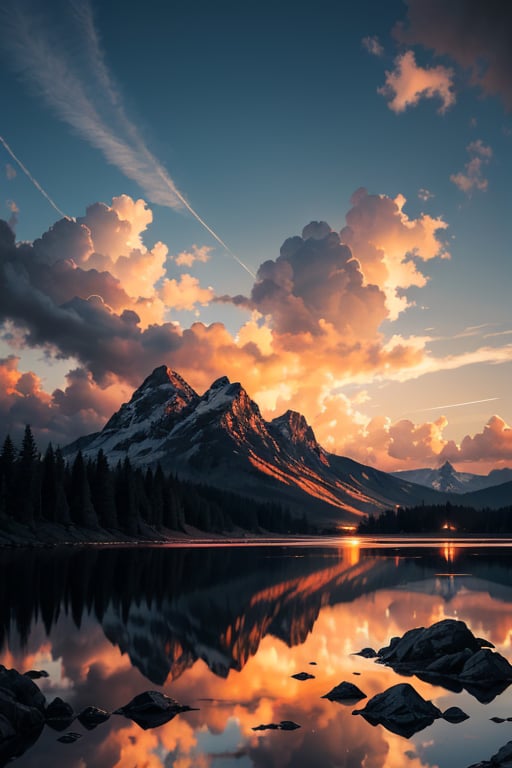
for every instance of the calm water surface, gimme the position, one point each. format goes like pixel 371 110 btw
pixel 224 628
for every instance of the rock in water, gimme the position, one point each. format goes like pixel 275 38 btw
pixel 367 653
pixel 400 709
pixel 345 692
pixel 69 738
pixel 151 709
pixel 22 708
pixel 454 715
pixel 302 676
pixel 59 714
pixel 284 725
pixel 35 674
pixel 427 644
pixel 90 717
pixel 448 654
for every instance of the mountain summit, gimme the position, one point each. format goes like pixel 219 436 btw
pixel 221 439
pixel 448 480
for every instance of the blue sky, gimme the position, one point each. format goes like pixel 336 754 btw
pixel 266 118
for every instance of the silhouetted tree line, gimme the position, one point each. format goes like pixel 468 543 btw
pixel 438 518
pixel 91 494
pixel 45 584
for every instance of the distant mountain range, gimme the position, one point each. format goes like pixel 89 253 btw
pixel 448 480
pixel 221 439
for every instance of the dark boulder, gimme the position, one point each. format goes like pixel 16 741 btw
pixel 485 666
pixel 366 653
pixel 454 715
pixel 302 676
pixel 284 725
pixel 451 664
pixel 151 709
pixel 36 674
pixel 345 692
pixel 59 714
pixel 90 717
pixel 448 654
pixel 22 708
pixel 400 709
pixel 427 644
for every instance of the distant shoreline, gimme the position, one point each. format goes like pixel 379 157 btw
pixel 53 536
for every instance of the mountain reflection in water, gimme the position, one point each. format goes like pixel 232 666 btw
pixel 223 629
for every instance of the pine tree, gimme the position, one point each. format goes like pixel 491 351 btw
pixel 49 486
pixel 126 501
pixel 82 510
pixel 28 484
pixel 7 477
pixel 61 502
pixel 103 492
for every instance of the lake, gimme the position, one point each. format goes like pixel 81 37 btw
pixel 223 629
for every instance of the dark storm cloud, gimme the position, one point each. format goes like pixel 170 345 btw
pixel 315 279
pixel 35 295
pixel 477 34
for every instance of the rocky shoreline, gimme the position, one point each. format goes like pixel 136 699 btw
pixel 446 653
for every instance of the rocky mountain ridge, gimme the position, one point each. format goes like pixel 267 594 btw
pixel 221 439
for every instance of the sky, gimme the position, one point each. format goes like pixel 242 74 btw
pixel 310 199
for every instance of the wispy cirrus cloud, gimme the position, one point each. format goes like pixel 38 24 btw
pixel 372 45
pixel 69 72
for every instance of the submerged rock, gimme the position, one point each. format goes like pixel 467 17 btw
pixel 284 725
pixel 400 709
pixel 345 692
pixel 303 676
pixel 69 738
pixel 151 709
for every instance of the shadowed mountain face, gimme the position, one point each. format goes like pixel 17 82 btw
pixel 221 439
pixel 168 608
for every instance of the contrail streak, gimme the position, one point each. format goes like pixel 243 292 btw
pixel 31 178
pixel 80 89
pixel 208 229
pixel 457 405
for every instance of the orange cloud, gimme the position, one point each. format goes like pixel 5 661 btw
pixel 187 258
pixel 383 238
pixel 494 443
pixel 184 293
pixel 90 290
pixel 472 177
pixel 408 83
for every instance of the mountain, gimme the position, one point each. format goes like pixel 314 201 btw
pixel 493 497
pixel 221 438
pixel 448 480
